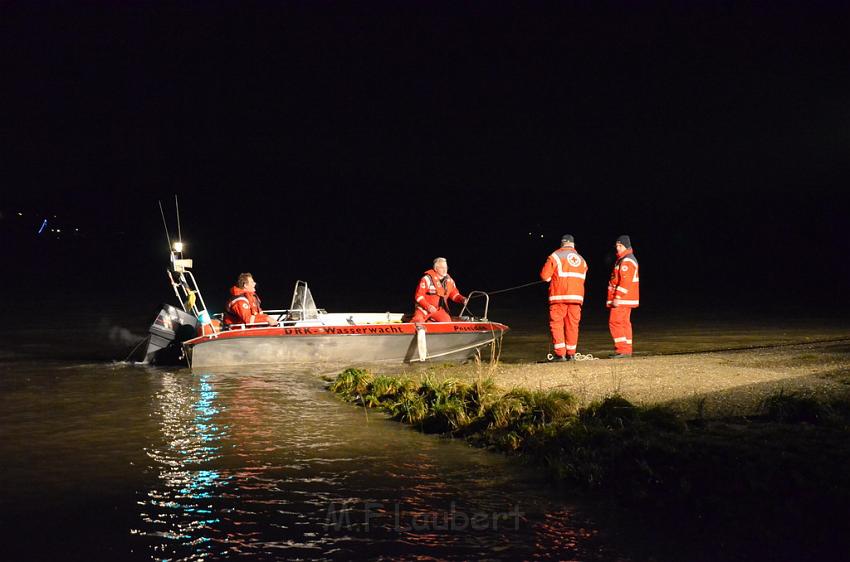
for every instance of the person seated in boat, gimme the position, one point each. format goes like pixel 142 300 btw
pixel 434 291
pixel 244 304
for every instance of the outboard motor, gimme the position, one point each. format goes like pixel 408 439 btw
pixel 169 330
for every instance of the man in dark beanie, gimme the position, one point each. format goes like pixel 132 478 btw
pixel 623 296
pixel 565 271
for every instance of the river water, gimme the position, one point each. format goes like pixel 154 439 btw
pixel 114 461
pixel 104 459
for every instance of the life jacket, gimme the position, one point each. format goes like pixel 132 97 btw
pixel 243 307
pixel 624 284
pixel 565 270
pixel 435 291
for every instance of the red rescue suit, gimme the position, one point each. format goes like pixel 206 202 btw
pixel 623 296
pixel 565 270
pixel 433 291
pixel 244 308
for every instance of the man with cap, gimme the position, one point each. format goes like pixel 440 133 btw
pixel 623 296
pixel 565 271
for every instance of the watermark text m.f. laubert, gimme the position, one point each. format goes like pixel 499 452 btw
pixel 352 516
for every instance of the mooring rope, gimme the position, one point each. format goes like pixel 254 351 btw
pixel 514 288
pixel 143 340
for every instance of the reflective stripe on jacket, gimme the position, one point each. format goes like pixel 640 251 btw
pixel 432 291
pixel 565 270
pixel 243 308
pixel 624 285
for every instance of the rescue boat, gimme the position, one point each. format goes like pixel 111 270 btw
pixel 308 334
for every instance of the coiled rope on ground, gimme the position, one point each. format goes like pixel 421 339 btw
pixel 577 357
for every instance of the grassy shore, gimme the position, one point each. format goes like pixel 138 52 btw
pixel 754 447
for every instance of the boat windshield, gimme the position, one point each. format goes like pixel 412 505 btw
pixel 303 306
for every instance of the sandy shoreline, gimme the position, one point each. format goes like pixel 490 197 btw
pixel 712 384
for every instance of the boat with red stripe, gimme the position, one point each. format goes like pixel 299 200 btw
pixel 307 334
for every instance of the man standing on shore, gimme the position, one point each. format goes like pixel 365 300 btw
pixel 623 296
pixel 565 271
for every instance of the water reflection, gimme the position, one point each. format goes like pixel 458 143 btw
pixel 180 513
pixel 266 464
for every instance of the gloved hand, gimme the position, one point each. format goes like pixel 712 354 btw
pixel 432 309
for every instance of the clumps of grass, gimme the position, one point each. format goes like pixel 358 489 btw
pixel 613 412
pixel 788 462
pixel 663 418
pixel 791 408
pixel 352 383
pixel 544 407
pixel 647 457
pixel 450 406
pixel 548 426
pixel 410 408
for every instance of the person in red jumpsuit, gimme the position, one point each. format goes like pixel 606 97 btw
pixel 565 271
pixel 623 296
pixel 244 304
pixel 434 291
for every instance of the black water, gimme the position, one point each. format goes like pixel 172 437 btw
pixel 115 461
pixel 103 459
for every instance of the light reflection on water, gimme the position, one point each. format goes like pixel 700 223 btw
pixel 181 510
pixel 102 460
pixel 268 465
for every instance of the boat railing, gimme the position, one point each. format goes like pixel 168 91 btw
pixel 283 317
pixel 188 293
pixel 475 294
pixel 293 316
pixel 302 310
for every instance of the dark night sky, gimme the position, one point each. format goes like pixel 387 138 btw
pixel 350 143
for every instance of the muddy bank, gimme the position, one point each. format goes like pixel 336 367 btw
pixel 715 384
pixel 737 455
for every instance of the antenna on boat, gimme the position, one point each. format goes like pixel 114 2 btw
pixel 177 212
pixel 165 224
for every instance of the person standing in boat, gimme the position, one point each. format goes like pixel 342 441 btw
pixel 434 291
pixel 565 271
pixel 623 296
pixel 244 304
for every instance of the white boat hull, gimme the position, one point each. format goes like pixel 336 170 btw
pixel 443 342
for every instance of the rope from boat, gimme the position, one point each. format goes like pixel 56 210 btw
pixel 443 353
pixel 143 340
pixel 514 288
